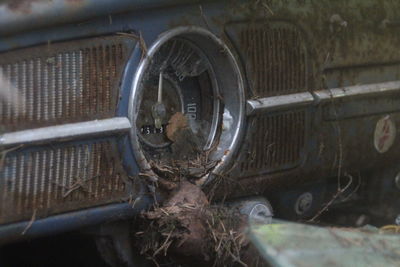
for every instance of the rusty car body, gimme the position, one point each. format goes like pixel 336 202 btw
pixel 300 96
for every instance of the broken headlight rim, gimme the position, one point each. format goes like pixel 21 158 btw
pixel 229 82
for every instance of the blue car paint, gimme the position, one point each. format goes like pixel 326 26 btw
pixel 148 25
pixel 72 221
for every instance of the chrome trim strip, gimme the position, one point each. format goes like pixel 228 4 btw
pixel 292 101
pixel 282 102
pixel 356 91
pixel 66 132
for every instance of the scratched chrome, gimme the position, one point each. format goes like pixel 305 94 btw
pixel 70 131
pixel 292 101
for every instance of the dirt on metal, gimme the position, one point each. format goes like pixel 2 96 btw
pixel 188 230
pixel 186 227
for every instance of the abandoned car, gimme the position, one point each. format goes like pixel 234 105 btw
pixel 286 106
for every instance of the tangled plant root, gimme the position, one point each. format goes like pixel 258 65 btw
pixel 189 229
pixel 185 227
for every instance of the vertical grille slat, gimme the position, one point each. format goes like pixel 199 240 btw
pixel 8 111
pixel 46 95
pixel 60 179
pixel 63 83
pixel 21 173
pixel 59 92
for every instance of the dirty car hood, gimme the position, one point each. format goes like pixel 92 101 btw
pixel 291 244
pixel 20 15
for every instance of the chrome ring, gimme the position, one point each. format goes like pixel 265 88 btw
pixel 229 141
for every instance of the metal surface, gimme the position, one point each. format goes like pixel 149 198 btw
pixel 55 179
pixel 228 76
pixel 365 90
pixel 275 142
pixel 289 244
pixel 190 83
pixel 275 57
pixel 65 132
pixel 293 101
pixel 397 181
pixel 72 221
pixel 364 51
pixel 63 82
pixel 18 15
pixel 303 203
pixel 279 103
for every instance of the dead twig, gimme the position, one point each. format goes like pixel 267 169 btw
pixel 30 222
pixel 355 189
pixel 265 5
pixel 150 175
pixel 78 184
pixel 165 245
pixel 154 261
pixel 133 203
pixel 340 145
pixel 139 38
pixel 338 193
pixel 203 17
pixel 390 229
pixel 3 154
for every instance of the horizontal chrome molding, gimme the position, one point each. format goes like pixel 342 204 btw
pixel 292 101
pixel 282 102
pixel 73 220
pixel 66 132
pixel 357 91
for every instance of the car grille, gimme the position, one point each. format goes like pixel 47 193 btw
pixel 278 144
pixel 63 82
pixel 59 179
pixel 275 60
pixel 67 82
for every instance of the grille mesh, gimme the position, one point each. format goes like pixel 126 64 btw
pixel 275 60
pixel 279 140
pixel 60 179
pixel 61 83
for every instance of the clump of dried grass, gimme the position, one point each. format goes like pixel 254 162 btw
pixel 227 229
pixel 185 225
pixel 390 229
pixel 188 227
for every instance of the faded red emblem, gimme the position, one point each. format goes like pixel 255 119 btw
pixel 385 134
